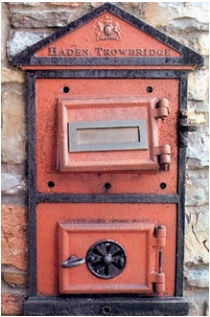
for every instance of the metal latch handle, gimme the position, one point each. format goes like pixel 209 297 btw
pixel 72 261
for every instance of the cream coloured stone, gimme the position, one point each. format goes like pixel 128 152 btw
pixel 20 40
pixel 195 117
pixel 11 75
pixel 160 14
pixel 195 252
pixel 11 184
pixel 197 187
pixel 67 3
pixel 207 308
pixel 197 150
pixel 13 128
pixel 40 18
pixel 198 85
pixel 200 43
pixel 197 278
pixel 14 236
pixel 201 228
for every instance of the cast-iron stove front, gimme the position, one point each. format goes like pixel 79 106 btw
pixel 107 101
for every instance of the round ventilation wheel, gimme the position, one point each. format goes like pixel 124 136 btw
pixel 106 259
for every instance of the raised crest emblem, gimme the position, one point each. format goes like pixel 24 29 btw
pixel 108 30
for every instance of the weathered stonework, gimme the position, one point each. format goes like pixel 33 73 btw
pixel 14 236
pixel 198 278
pixel 12 305
pixel 25 23
pixel 198 85
pixel 197 152
pixel 40 18
pixel 13 128
pixel 197 187
pixel 20 40
pixel 14 277
pixel 12 76
pixel 183 16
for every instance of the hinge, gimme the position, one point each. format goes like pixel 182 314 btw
pixel 158 278
pixel 160 234
pixel 159 282
pixel 162 111
pixel 164 153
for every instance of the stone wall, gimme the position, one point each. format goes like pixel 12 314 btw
pixel 24 23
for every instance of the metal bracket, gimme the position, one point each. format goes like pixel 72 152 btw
pixel 185 127
pixel 188 128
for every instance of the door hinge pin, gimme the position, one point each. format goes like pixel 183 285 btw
pixel 160 260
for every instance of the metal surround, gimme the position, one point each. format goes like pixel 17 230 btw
pixel 75 126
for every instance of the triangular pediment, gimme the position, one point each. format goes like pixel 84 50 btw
pixel 108 36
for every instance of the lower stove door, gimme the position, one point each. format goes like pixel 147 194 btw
pixel 111 257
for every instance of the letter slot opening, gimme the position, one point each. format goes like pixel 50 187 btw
pixel 107 135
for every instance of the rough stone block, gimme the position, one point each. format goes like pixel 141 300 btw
pixel 14 236
pixel 40 18
pixel 200 43
pixel 11 76
pixel 199 107
pixel 20 40
pixel 196 210
pixel 95 4
pixel 198 85
pixel 160 14
pixel 207 309
pixel 201 228
pixel 13 128
pixel 14 277
pixel 195 249
pixel 11 184
pixel 13 180
pixel 197 187
pixel 193 309
pixel 195 117
pixel 197 278
pixel 197 150
pixel 12 305
pixel 4 31
pixel 69 4
pixel 137 8
pixel 186 24
pixel 26 4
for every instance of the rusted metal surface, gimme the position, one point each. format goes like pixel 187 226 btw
pixel 84 224
pixel 107 258
pixel 125 182
pixel 80 112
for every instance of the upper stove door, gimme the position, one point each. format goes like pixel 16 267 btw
pixel 102 134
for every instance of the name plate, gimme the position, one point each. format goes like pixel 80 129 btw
pixel 107 135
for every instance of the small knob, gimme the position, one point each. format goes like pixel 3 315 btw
pixel 107 259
